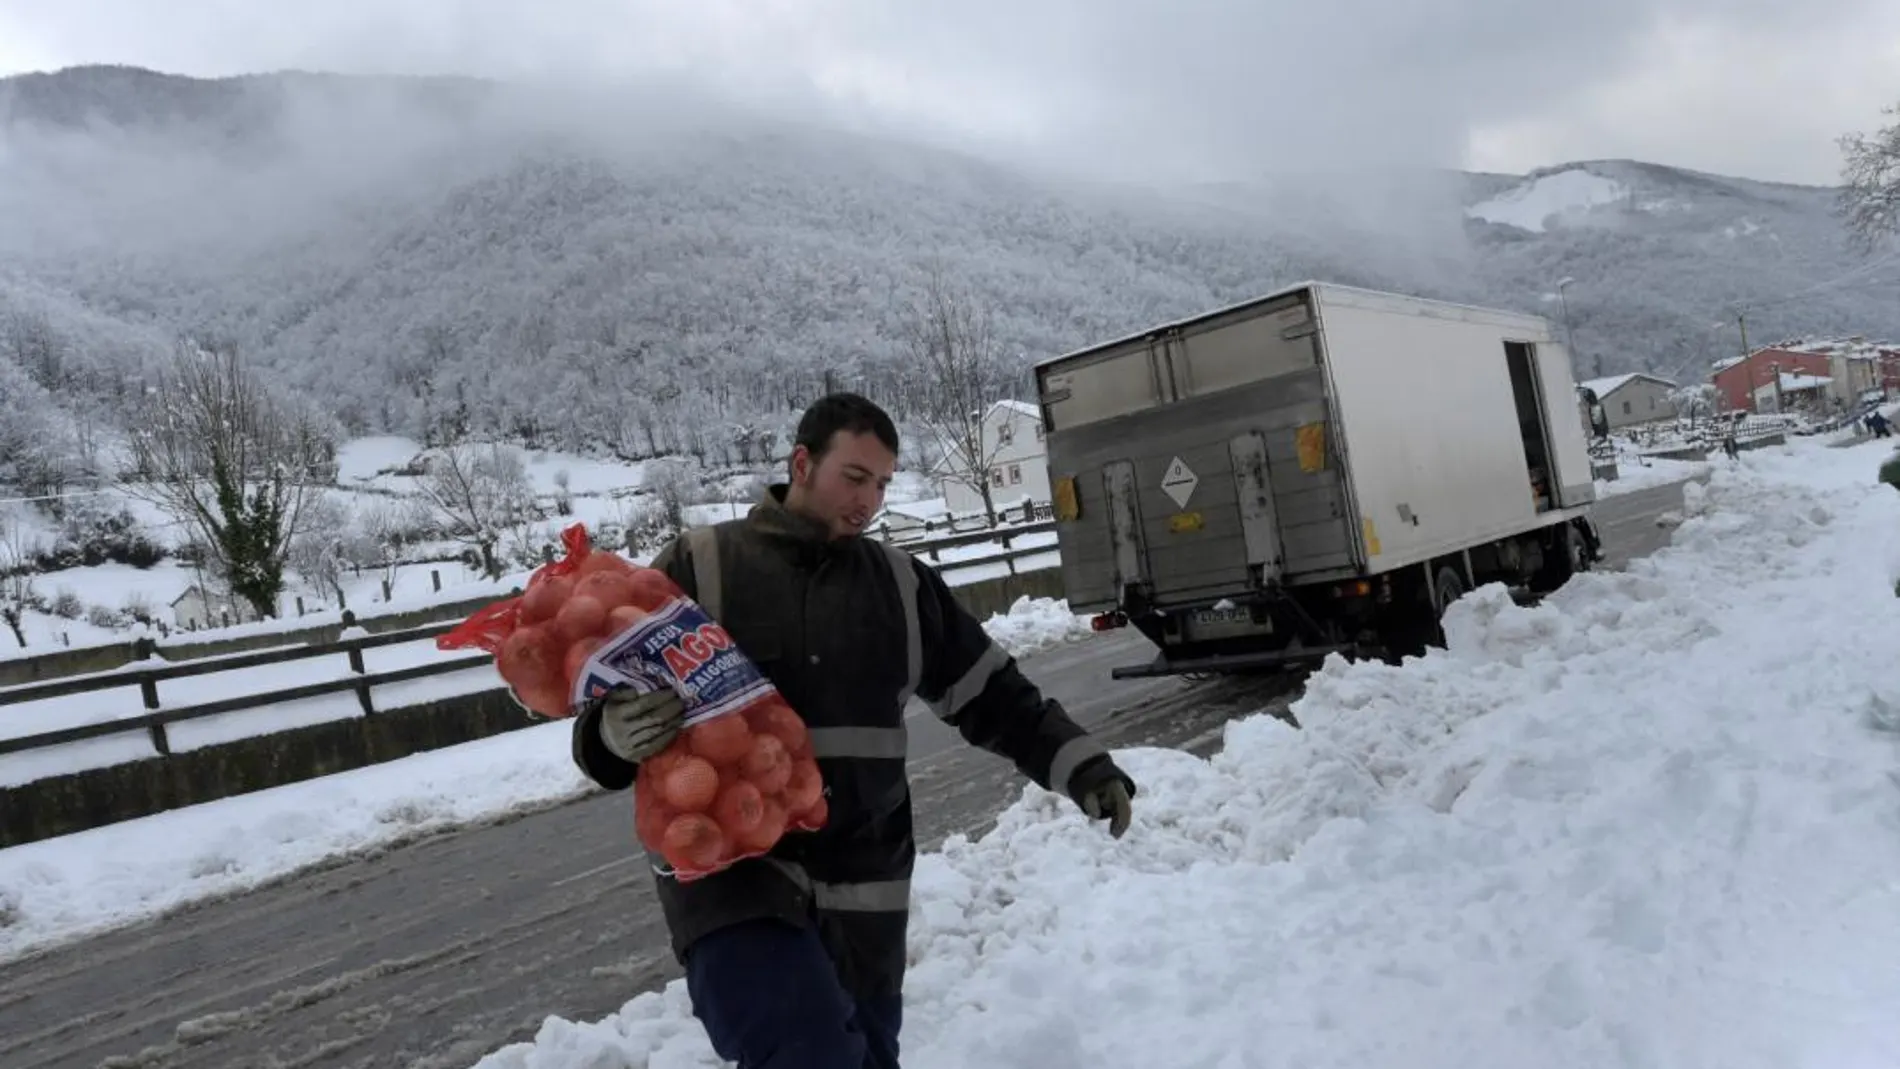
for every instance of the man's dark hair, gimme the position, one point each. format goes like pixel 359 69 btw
pixel 848 412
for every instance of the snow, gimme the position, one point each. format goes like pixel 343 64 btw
pixel 81 883
pixel 361 460
pixel 1635 471
pixel 112 585
pixel 1651 821
pixel 1034 624
pixel 1603 387
pixel 1791 382
pixel 1529 205
pixel 600 492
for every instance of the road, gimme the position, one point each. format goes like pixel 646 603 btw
pixel 1628 523
pixel 437 952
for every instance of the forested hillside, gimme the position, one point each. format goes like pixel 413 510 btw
pixel 433 258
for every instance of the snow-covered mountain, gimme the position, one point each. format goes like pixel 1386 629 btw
pixel 626 271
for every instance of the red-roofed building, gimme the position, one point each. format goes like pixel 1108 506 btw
pixel 1834 372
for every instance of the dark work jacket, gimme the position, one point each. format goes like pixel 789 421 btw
pixel 831 623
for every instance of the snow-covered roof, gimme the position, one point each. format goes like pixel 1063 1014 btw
pixel 923 509
pixel 1793 381
pixel 1023 408
pixel 1609 384
pixel 1854 348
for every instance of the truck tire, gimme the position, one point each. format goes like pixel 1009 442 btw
pixel 1411 630
pixel 1567 553
pixel 1447 586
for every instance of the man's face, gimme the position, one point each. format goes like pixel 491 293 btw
pixel 845 487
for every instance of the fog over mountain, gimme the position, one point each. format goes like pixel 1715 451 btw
pixel 636 270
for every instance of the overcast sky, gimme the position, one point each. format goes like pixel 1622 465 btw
pixel 1752 87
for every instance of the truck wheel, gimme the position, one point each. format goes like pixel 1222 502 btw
pixel 1449 586
pixel 1567 553
pixel 1416 626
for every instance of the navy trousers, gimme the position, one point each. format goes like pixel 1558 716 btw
pixel 769 998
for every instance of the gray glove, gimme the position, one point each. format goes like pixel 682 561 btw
pixel 1104 792
pixel 634 727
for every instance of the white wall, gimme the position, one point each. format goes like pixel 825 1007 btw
pixel 1020 464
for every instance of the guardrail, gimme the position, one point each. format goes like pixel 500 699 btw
pixel 930 549
pixel 157 719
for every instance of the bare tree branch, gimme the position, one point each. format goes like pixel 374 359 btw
pixel 1870 197
pixel 16 583
pixel 481 494
pixel 953 345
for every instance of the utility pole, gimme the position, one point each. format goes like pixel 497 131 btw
pixel 1748 370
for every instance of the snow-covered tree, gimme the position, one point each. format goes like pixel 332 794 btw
pixel 39 447
pixel 481 492
pixel 16 583
pixel 234 463
pixel 1870 177
pixel 326 546
pixel 1696 401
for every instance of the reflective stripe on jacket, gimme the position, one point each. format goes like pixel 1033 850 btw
pixel 848 630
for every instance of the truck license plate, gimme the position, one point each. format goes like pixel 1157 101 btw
pixel 1236 615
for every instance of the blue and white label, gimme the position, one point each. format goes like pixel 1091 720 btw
pixel 679 647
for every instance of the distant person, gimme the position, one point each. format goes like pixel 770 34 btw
pixel 1877 424
pixel 797 960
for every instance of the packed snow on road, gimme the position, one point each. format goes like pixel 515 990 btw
pixel 1653 821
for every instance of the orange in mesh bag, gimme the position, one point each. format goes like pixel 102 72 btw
pixel 741 773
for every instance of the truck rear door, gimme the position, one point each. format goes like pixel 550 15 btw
pixel 1194 464
pixel 1569 449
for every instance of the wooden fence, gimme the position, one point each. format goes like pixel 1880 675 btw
pixel 157 718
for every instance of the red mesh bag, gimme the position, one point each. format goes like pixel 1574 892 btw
pixel 741 773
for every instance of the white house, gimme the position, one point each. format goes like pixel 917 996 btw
pixel 197 609
pixel 1017 461
pixel 1634 398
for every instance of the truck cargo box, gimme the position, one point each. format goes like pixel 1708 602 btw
pixel 1313 435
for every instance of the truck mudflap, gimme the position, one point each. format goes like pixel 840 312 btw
pixel 1257 660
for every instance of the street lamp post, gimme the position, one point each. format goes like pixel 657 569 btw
pixel 1570 337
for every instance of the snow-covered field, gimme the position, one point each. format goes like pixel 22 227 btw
pixel 79 883
pixel 1654 821
pixel 599 492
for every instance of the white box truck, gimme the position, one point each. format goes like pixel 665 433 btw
pixel 1321 469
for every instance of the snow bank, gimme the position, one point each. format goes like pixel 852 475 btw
pixel 122 872
pixel 1033 624
pixel 80 883
pixel 1653 821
